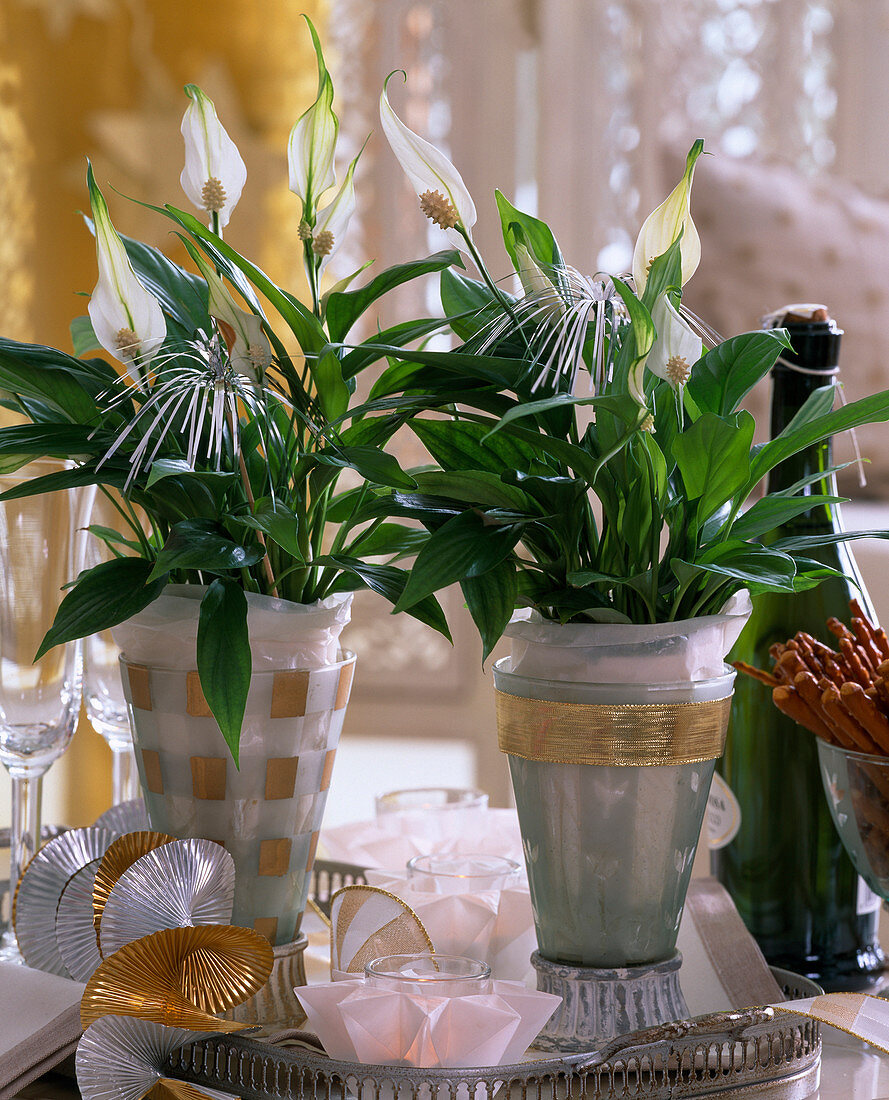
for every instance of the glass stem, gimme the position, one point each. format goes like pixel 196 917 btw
pixel 24 840
pixel 124 777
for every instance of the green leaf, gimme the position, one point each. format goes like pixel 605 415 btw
pixel 387 540
pixel 868 410
pixel 794 543
pixel 461 445
pixel 83 338
pixel 772 511
pixel 182 295
pixel 389 582
pixel 472 487
pixel 197 544
pixel 178 467
pixel 102 597
pixel 57 438
pixel 725 375
pixel 397 336
pixel 532 232
pixel 344 309
pixel 713 456
pixel 49 376
pixel 333 393
pixel 278 523
pixel 464 547
pixel 468 304
pixel 613 403
pixel 224 659
pixel 491 599
pixel 818 403
pixel 754 565
pixel 304 325
pixel 373 465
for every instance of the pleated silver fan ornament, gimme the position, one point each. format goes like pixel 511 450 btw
pixel 40 888
pixel 122 1058
pixel 179 885
pixel 75 932
pixel 125 817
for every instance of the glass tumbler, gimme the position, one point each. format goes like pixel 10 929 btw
pixel 424 974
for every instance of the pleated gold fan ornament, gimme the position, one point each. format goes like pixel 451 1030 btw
pixel 180 977
pixel 367 923
pixel 122 854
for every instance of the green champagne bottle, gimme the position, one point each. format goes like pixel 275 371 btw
pixel 786 870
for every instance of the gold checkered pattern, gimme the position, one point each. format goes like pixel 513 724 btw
pixel 211 776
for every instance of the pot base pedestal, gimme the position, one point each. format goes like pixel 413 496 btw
pixel 275 1007
pixel 599 1004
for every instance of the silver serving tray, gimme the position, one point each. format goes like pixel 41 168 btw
pixel 754 1050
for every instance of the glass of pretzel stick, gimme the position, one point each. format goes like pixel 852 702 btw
pixel 842 696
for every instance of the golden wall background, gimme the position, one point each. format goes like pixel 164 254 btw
pixel 103 79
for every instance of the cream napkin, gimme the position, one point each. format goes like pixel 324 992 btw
pixel 39 1024
pixel 391 840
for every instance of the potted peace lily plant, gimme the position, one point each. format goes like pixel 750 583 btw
pixel 593 476
pixel 221 445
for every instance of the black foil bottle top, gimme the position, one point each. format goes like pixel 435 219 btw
pixel 814 335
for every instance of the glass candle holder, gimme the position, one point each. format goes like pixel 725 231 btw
pixel 425 974
pixel 469 874
pixel 422 799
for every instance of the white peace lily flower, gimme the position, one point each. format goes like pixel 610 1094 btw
pixel 444 198
pixel 333 221
pixel 126 317
pixel 312 143
pixel 214 173
pixel 663 225
pixel 249 350
pixel 676 349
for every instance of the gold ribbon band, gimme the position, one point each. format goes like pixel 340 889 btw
pixel 585 733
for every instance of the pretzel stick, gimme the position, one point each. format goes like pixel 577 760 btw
pixel 792 704
pixel 866 645
pixel 854 663
pixel 807 654
pixel 757 673
pixel 882 690
pixel 789 664
pixel 828 658
pixel 867 714
pixel 837 714
pixel 807 687
pixel 840 630
pixel 881 641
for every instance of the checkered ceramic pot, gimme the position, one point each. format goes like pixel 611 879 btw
pixel 268 813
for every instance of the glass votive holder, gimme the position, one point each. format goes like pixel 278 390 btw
pixel 430 799
pixel 425 974
pixel 467 874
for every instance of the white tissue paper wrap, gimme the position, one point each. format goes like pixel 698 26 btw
pixel 364 1023
pixel 494 925
pixel 282 634
pixel 389 841
pixel 618 653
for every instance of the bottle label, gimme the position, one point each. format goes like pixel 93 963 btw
pixel 868 901
pixel 723 814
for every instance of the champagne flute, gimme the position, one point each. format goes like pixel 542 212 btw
pixel 41 549
pixel 103 695
pixel 106 709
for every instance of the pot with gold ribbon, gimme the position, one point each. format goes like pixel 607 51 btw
pixel 612 734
